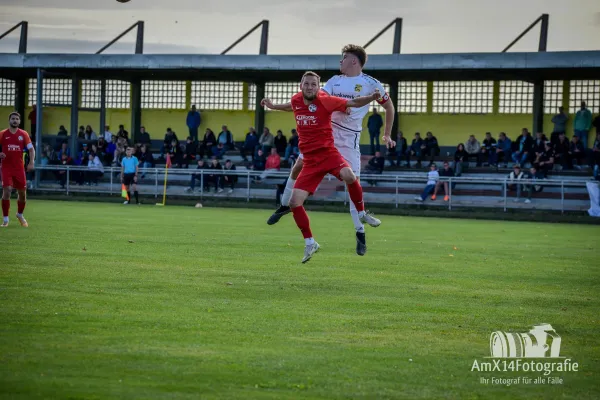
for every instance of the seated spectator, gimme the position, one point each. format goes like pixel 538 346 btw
pixel 61 175
pixel 44 162
pixel 273 164
pixel 122 133
pixel 576 153
pixel 62 131
pixel 95 169
pixel 266 141
pixel 198 177
pixel 250 144
pixel 445 173
pixel 415 149
pixel 143 137
pixel 460 159
pixel 101 149
pixel 189 156
pixel 473 148
pixel 514 179
pixel 561 151
pixel 545 161
pixel 120 148
pixel 376 164
pixel 231 179
pixel 430 147
pixel 523 148
pixel 111 150
pixel 207 143
pixel 214 176
pixel 51 154
pixel 107 134
pixel 81 133
pixel 166 146
pixel 225 138
pixel 218 151
pixel 280 142
pixel 64 149
pixel 399 151
pixel 503 149
pixel 90 134
pixel 432 179
pixel 488 151
pixel 538 145
pixel 596 154
pixel 534 175
pixel 146 159
pixel 292 147
pixel 259 162
pixel 176 154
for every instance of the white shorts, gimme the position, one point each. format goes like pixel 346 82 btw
pixel 352 156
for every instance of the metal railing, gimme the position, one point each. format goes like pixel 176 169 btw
pixel 394 183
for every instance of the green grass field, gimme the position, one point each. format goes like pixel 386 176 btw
pixel 110 301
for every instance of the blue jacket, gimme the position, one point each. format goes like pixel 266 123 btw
pixel 505 145
pixel 193 120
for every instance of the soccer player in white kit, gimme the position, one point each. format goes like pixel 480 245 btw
pixel 347 127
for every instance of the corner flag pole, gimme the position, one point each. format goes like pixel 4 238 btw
pixel 168 165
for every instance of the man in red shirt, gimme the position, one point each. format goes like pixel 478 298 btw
pixel 312 109
pixel 13 142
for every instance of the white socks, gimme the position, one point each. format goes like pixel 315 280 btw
pixel 356 218
pixel 287 193
pixel 19 215
pixel 5 219
pixel 309 241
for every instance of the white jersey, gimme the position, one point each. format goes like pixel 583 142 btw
pixel 347 127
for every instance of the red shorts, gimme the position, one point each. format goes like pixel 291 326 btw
pixel 14 178
pixel 316 166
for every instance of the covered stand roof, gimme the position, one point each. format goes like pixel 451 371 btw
pixel 463 66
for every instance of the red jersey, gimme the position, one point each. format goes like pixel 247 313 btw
pixel 13 145
pixel 313 121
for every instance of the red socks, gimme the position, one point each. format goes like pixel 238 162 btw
pixel 5 207
pixel 302 221
pixel 356 195
pixel 20 207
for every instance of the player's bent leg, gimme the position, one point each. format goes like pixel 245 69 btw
pixel 284 208
pixel 356 195
pixel 21 202
pixel 5 205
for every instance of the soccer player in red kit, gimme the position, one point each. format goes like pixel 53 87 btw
pixel 13 142
pixel 312 109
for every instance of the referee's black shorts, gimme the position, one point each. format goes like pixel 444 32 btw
pixel 128 179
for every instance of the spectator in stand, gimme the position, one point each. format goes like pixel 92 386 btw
pixel 90 134
pixel 122 133
pixel 193 121
pixel 108 134
pixel 560 124
pixel 143 137
pixel 207 143
pixel 166 146
pixel 111 149
pixel 250 144
pixel 95 169
pixel 218 151
pixel 81 133
pixel 488 150
pixel 539 145
pixel 445 173
pixel 292 147
pixel 415 149
pixel 530 188
pixel 576 153
pixel 514 179
pixel 583 124
pixel 145 158
pixel 545 162
pixel 430 147
pixel 596 123
pixel 596 155
pixel 399 151
pixel 503 149
pixel 198 177
pixel 64 149
pixel 225 138
pixel 61 175
pixel 176 154
pixel 231 179
pixel 214 175
pixel 460 159
pixel 120 150
pixel 374 125
pixel 62 131
pixel 273 164
pixel 259 162
pixel 280 142
pixel 375 166
pixel 561 151
pixel 33 120
pixel 473 148
pixel 189 156
pixel 523 147
pixel 433 177
pixel 51 154
pixel 266 140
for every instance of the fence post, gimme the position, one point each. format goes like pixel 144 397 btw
pixel 155 182
pixel 247 186
pixel 68 178
pixel 505 190
pixel 562 197
pixel 396 191
pixel 111 181
pixel 450 194
pixel 201 184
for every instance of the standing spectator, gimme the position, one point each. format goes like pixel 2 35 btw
pixel 225 138
pixel 193 123
pixel 473 149
pixel 560 124
pixel 514 179
pixel 430 147
pixel 583 124
pixel 143 137
pixel 488 150
pixel 292 147
pixel 446 173
pixel 33 120
pixel 198 176
pixel 266 140
pixel 108 134
pixel 400 151
pixel 95 170
pixel 534 175
pixel 374 125
pixel 250 144
pixel 280 142
pixel 415 149
pixel 214 175
pixel 503 149
pixel 460 159
pixel 561 151
pixel 229 179
pixel 207 143
pixel 576 153
pixel 433 177
pixel 90 134
pixel 524 144
pixel 189 156
pixel 273 164
pixel 545 162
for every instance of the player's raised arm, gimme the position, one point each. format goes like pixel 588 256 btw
pixel 281 107
pixel 364 100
